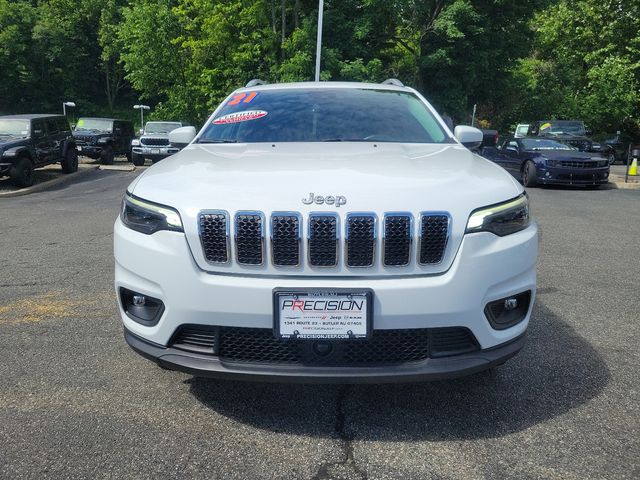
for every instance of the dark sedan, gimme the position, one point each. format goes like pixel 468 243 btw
pixel 543 161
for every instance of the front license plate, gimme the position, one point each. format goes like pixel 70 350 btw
pixel 322 314
pixel 155 150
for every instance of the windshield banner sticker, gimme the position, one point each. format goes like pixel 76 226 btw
pixel 240 117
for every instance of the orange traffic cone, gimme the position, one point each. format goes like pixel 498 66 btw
pixel 633 168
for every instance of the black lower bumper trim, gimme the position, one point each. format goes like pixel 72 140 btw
pixel 430 369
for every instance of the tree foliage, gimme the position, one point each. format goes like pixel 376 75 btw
pixel 517 60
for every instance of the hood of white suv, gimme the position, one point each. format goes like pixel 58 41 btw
pixel 282 177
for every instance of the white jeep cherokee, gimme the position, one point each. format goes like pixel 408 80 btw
pixel 326 232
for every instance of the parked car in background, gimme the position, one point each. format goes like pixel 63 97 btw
pixel 104 138
pixel 33 141
pixel 544 161
pixel 570 132
pixel 154 142
pixel 618 147
pixel 522 129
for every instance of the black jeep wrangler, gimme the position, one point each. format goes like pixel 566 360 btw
pixel 32 141
pixel 104 138
pixel 570 132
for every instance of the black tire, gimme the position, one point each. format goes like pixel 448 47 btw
pixel 138 160
pixel 611 156
pixel 70 161
pixel 529 174
pixel 107 155
pixel 22 173
pixel 128 155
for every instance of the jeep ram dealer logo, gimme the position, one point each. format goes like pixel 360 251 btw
pixel 336 200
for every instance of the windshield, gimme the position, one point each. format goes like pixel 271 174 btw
pixel 566 127
pixel 161 127
pixel 95 124
pixel 522 129
pixel 14 128
pixel 324 115
pixel 544 144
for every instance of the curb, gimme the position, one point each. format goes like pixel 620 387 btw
pixel 40 187
pixel 617 182
pixel 118 168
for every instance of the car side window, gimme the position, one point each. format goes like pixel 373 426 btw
pixel 513 145
pixel 52 127
pixel 63 125
pixel 37 129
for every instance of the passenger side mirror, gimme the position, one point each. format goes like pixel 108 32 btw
pixel 182 136
pixel 470 137
pixel 73 126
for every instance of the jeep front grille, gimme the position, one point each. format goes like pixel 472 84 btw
pixel 323 234
pixel 154 142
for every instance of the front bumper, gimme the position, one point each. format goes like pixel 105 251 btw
pixel 5 167
pixel 430 369
pixel 578 176
pixel 91 151
pixel 154 152
pixel 486 268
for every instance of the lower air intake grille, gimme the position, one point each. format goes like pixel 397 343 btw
pixel 385 347
pixel 433 238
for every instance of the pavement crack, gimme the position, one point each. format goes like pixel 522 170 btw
pixel 347 467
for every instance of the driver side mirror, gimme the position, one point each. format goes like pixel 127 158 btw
pixel 141 131
pixel 182 135
pixel 470 137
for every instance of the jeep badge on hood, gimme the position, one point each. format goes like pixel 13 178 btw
pixel 336 200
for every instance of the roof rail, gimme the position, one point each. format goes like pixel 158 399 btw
pixel 255 82
pixel 393 81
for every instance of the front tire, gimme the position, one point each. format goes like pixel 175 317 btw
pixel 22 173
pixel 70 161
pixel 529 175
pixel 137 160
pixel 107 156
pixel 611 156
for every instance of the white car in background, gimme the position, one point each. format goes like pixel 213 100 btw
pixel 154 142
pixel 326 232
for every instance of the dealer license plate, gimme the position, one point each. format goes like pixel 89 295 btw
pixel 155 150
pixel 321 314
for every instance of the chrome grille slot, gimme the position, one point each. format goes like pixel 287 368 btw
pixel 214 236
pixel 360 239
pixel 249 238
pixel 434 234
pixel 397 239
pixel 323 240
pixel 156 142
pixel 285 239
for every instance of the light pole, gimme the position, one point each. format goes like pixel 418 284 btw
pixel 142 108
pixel 65 105
pixel 319 40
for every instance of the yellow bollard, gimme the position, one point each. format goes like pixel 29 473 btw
pixel 633 168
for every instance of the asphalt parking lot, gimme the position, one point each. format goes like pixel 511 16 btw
pixel 76 402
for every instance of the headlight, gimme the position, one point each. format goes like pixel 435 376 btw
pixel 135 142
pixel 501 219
pixel 146 217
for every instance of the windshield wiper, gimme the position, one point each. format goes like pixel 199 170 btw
pixel 216 140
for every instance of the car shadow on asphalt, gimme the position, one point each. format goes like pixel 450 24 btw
pixel 555 372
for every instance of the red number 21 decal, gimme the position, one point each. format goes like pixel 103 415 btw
pixel 240 96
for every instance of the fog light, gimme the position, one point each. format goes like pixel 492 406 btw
pixel 509 303
pixel 509 311
pixel 140 308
